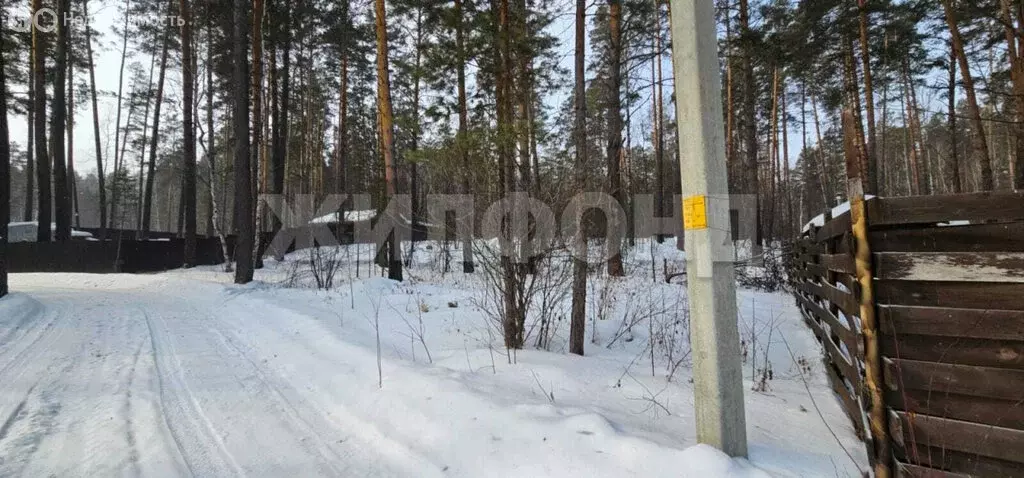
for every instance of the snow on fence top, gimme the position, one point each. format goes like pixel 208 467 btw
pixel 28 231
pixel 350 216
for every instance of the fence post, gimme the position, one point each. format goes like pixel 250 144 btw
pixel 869 323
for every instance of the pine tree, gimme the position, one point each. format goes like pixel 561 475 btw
pixel 188 191
pixel 62 194
pixel 980 142
pixel 578 318
pixel 5 167
pixel 100 175
pixel 614 106
pixel 244 214
pixel 386 114
pixel 45 214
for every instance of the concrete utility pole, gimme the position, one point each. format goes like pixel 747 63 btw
pixel 718 378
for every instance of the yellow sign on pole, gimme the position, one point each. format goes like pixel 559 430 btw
pixel 695 212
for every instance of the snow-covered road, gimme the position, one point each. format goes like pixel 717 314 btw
pixel 181 374
pixel 154 381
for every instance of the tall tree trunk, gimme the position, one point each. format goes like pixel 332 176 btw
pixel 615 127
pixel 522 56
pixel 42 158
pixel 147 208
pixel 142 153
pixel 30 165
pixel 117 122
pixel 659 127
pixel 826 181
pixel 751 185
pixel 72 177
pixel 773 156
pixel 919 164
pixel 912 158
pixel 115 196
pixel 256 150
pixel 100 175
pixel 414 180
pixel 280 149
pixel 808 158
pixel 953 170
pixel 790 218
pixel 387 128
pixel 188 123
pixel 1016 56
pixel 578 320
pixel 853 95
pixel 980 142
pixel 341 157
pixel 5 173
pixel 531 122
pixel 62 195
pixel 216 225
pixel 463 135
pixel 730 144
pixel 244 219
pixel 871 176
pixel 513 316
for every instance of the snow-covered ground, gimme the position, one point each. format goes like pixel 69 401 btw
pixel 183 373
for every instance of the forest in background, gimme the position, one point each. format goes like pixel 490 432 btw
pixel 219 102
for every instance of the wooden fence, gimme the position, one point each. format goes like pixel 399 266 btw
pixel 948 275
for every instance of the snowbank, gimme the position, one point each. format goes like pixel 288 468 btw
pixel 267 380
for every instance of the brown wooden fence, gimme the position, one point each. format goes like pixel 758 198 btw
pixel 949 296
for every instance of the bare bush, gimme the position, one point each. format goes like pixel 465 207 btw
pixel 319 268
pixel 602 303
pixel 512 294
pixel 766 271
pixel 324 264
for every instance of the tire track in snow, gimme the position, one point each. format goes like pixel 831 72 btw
pixel 21 320
pixel 341 416
pixel 291 406
pixel 34 421
pixel 133 445
pixel 76 405
pixel 190 428
pixel 14 415
pixel 31 350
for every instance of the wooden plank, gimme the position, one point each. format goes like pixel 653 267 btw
pixel 837 262
pixel 964 295
pixel 815 270
pixel 843 244
pixel 847 400
pixel 1004 237
pixel 949 266
pixel 959 462
pixel 842 299
pixel 984 440
pixel 844 331
pixel 949 322
pixel 808 246
pixel 964 351
pixel 837 226
pixel 988 382
pixel 835 356
pixel 980 207
pixel 851 284
pixel 988 411
pixel 906 470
